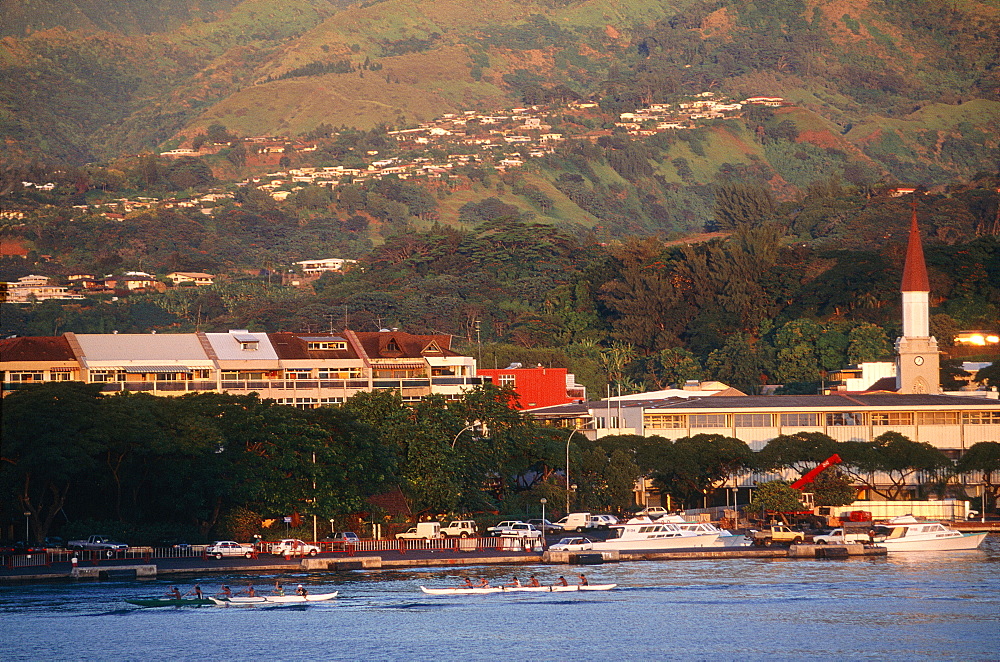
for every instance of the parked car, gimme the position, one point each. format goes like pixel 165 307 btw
pixel 221 548
pixel 545 526
pixel 342 539
pixel 572 545
pixel 603 521
pixel 502 527
pixel 294 547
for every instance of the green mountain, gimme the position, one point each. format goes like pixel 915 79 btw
pixel 903 91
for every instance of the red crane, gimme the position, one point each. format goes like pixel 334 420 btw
pixel 820 468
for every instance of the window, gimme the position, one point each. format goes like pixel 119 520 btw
pixel 665 421
pixel 340 373
pixel 708 420
pixel 168 376
pixel 981 417
pixel 107 375
pixel 201 374
pixel 62 376
pixel 507 380
pixel 230 375
pixel 845 418
pixel 892 418
pixel 249 345
pixel 298 374
pixel 800 419
pixel 937 418
pixel 26 376
pixel 753 420
pixel 326 344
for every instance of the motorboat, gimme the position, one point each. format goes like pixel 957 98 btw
pixel 908 534
pixel 725 538
pixel 643 534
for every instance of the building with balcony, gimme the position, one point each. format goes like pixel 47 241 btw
pixel 302 370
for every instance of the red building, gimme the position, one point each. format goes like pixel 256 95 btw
pixel 538 387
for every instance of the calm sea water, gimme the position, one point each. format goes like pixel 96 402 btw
pixel 906 606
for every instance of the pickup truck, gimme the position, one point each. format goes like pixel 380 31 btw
pixel 422 531
pixel 97 543
pixel 778 534
pixel 463 528
pixel 838 537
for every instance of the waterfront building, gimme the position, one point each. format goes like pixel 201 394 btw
pixel 302 370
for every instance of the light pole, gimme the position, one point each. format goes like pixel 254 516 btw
pixel 467 427
pixel 543 501
pixel 575 430
pixel 27 533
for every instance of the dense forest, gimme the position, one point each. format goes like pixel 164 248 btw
pixel 206 466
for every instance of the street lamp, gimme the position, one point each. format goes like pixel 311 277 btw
pixel 467 427
pixel 575 430
pixel 27 534
pixel 543 501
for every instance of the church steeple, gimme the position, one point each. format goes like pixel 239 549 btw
pixel 917 360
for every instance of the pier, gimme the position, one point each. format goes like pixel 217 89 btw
pixel 122 570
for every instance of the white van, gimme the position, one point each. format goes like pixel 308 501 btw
pixel 422 531
pixel 575 522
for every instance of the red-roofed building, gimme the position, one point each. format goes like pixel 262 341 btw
pixel 539 387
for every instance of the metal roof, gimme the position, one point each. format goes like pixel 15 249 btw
pixel 147 348
pixel 228 346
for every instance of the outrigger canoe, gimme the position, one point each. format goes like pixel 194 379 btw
pixel 517 589
pixel 170 602
pixel 273 599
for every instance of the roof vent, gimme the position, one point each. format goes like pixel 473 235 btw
pixel 513 366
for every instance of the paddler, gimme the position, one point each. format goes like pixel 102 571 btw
pixel 562 582
pixel 534 582
pixel 174 593
pixel 196 592
pixel 226 592
pixel 468 583
pixel 484 583
pixel 583 580
pixel 516 583
pixel 301 590
pixel 278 588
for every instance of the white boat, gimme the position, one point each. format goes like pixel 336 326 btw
pixel 908 534
pixel 725 538
pixel 516 589
pixel 242 600
pixel 643 534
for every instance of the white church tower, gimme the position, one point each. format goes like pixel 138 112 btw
pixel 917 358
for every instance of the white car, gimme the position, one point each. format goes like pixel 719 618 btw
pixel 603 521
pixel 294 547
pixel 521 530
pixel 503 527
pixel 572 545
pixel 221 548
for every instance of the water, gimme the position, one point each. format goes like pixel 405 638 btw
pixel 906 606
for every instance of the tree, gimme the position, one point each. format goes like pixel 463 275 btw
pixel 693 467
pixel 867 342
pixel 832 488
pixel 774 496
pixel 984 458
pixel 738 205
pixel 52 439
pixel 893 455
pixel 800 451
pixel 674 366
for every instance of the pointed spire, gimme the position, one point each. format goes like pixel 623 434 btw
pixel 915 270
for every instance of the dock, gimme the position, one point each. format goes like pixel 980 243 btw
pixel 120 571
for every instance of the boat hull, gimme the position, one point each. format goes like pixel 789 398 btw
pixel 170 602
pixel 654 544
pixel 517 589
pixel 960 542
pixel 273 599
